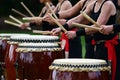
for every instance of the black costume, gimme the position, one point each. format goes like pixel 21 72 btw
pixel 104 42
pixel 75 47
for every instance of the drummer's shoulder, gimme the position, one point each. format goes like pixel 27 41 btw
pixel 67 2
pixel 109 3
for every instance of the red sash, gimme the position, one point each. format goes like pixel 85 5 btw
pixel 67 40
pixel 112 53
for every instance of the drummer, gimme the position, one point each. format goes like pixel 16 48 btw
pixel 103 12
pixel 108 29
pixel 74 44
pixel 61 6
pixel 45 10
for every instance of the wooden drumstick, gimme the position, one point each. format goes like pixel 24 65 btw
pixel 15 19
pixel 89 18
pixel 51 11
pixel 32 18
pixel 18 21
pixel 42 32
pixel 15 24
pixel 85 26
pixel 58 23
pixel 12 23
pixel 27 9
pixel 19 13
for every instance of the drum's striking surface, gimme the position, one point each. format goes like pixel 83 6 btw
pixel 79 69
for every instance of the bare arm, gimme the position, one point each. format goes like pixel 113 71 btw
pixel 72 11
pixel 80 18
pixel 65 6
pixel 107 10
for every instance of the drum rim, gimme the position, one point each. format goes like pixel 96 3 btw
pixel 62 65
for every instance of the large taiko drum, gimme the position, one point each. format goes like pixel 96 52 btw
pixel 79 69
pixel 3 43
pixel 34 59
pixel 13 43
pixel 4 37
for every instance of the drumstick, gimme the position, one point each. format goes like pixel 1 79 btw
pixel 18 21
pixel 51 11
pixel 27 9
pixel 89 18
pixel 58 23
pixel 85 26
pixel 15 19
pixel 15 24
pixel 12 23
pixel 19 13
pixel 42 32
pixel 32 18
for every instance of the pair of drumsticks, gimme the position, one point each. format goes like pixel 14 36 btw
pixel 18 24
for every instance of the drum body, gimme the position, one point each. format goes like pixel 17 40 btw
pixel 33 61
pixel 11 54
pixel 3 48
pixel 79 69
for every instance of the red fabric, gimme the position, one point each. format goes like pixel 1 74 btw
pixel 93 42
pixel 112 54
pixel 67 40
pixel 63 37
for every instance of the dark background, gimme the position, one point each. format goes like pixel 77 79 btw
pixel 7 5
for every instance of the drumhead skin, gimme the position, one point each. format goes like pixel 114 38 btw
pixel 35 39
pixel 79 69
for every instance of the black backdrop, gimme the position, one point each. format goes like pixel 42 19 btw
pixel 33 5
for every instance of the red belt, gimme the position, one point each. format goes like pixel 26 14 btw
pixel 67 40
pixel 112 53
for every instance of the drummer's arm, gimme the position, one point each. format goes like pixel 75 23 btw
pixel 65 6
pixel 72 11
pixel 106 11
pixel 80 18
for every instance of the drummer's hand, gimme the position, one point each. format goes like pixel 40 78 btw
pixel 62 21
pixel 24 25
pixel 56 31
pixel 48 19
pixel 70 34
pixel 37 21
pixel 106 29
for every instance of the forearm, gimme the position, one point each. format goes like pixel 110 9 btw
pixel 72 11
pixel 67 14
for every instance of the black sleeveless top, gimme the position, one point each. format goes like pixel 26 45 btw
pixel 94 15
pixel 45 25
